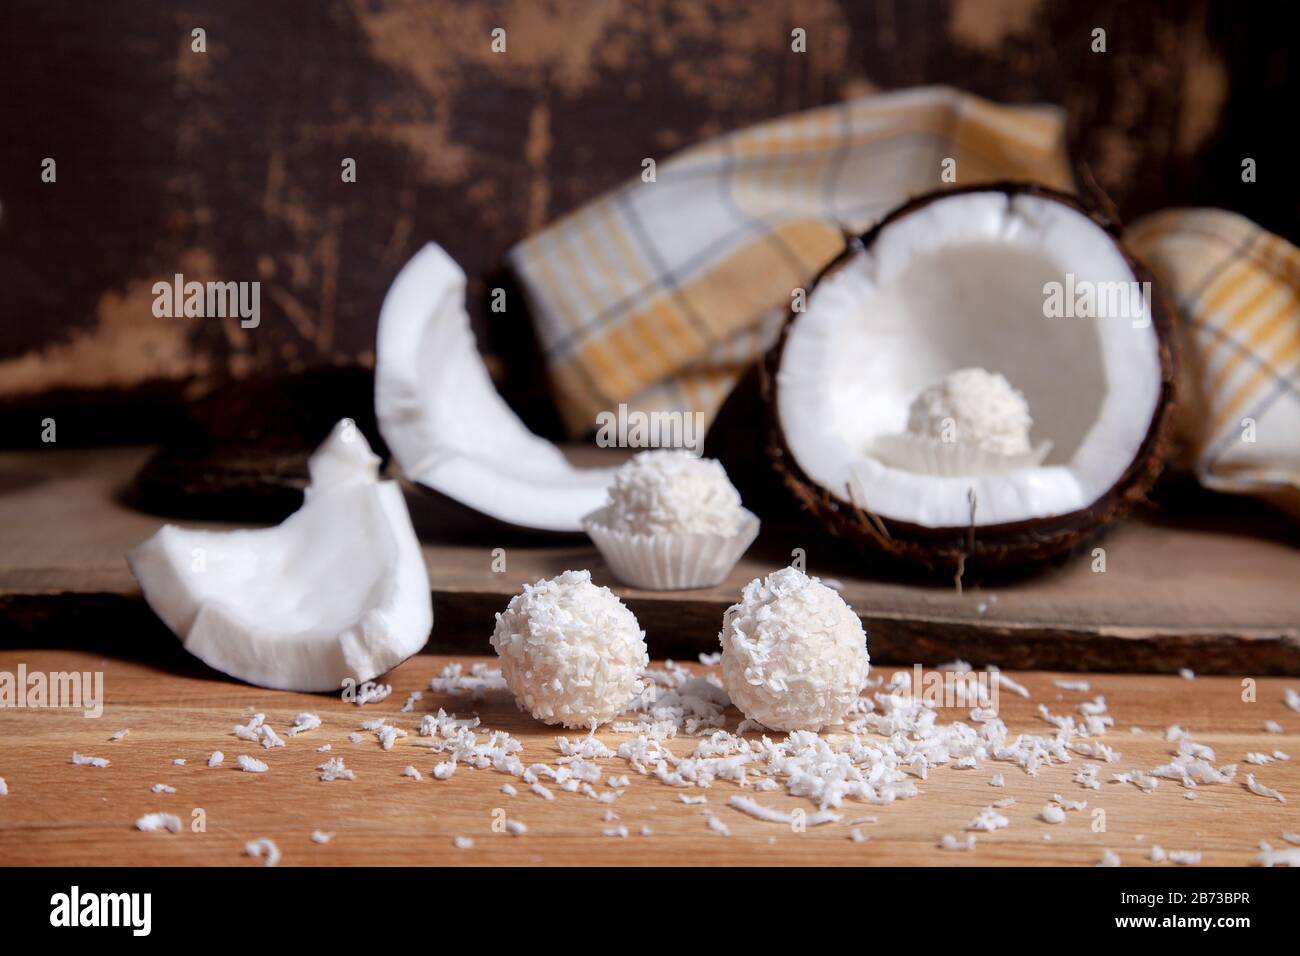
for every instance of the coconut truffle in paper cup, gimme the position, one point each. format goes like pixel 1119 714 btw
pixel 673 522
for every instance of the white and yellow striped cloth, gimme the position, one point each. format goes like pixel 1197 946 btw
pixel 1237 291
pixel 659 294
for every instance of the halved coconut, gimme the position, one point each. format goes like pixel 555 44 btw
pixel 338 590
pixel 957 280
pixel 446 425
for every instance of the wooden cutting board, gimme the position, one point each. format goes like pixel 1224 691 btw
pixel 58 813
pixel 1216 594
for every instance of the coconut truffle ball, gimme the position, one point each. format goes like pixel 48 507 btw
pixel 570 652
pixel 794 655
pixel 985 408
pixel 673 492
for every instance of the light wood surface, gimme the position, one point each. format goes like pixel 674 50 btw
pixel 58 813
pixel 1211 597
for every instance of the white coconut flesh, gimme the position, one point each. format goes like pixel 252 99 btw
pixel 338 590
pixel 960 283
pixel 445 423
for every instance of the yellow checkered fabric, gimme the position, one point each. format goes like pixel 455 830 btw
pixel 1237 288
pixel 659 294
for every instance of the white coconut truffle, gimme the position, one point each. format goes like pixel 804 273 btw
pixel 673 492
pixel 570 651
pixel 983 407
pixel 794 655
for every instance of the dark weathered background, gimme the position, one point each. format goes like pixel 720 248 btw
pixel 226 165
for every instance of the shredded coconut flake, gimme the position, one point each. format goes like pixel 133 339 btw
pixel 83 761
pixel 264 849
pixel 1254 786
pixel 153 822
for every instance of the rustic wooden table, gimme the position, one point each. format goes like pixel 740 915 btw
pixel 58 813
pixel 1205 596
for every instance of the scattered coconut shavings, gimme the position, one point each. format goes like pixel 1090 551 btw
pixel 355 737
pixel 1092 708
pixel 411 700
pixel 216 758
pixel 950 842
pixel 1051 813
pixel 619 831
pixel 250 731
pixel 1272 727
pixel 988 820
pixel 646 831
pixel 1254 786
pixel 1181 857
pixel 687 799
pixel 542 791
pixel 1268 856
pixel 773 815
pixel 1088 777
pixel 509 790
pixel 463 843
pixel 444 770
pixel 333 769
pixel 4 788
pixel 269 737
pixel 454 681
pixel 120 734
pixel 717 826
pixel 1190 795
pixel 413 773
pixel 83 761
pixel 1082 686
pixel 1004 803
pixel 162 788
pixel 1109 858
pixel 264 849
pixel 1009 683
pixel 1144 782
pixel 324 748
pixel 1292 698
pixel 1258 758
pixel 1186 673
pixel 251 764
pixel 319 836
pixel 388 735
pixel 1292 838
pixel 997 780
pixel 153 822
pixel 714 659
pixel 371 693
pixel 1069 804
pixel 178 762
pixel 857 836
pixel 515 828
pixel 303 723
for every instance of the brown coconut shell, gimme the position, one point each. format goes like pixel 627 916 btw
pixel 978 551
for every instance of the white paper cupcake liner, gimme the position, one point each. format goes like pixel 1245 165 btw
pixel 670 562
pixel 930 456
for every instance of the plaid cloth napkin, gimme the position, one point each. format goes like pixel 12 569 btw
pixel 1237 289
pixel 659 294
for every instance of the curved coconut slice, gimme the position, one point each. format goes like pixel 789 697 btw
pixel 446 425
pixel 960 279
pixel 338 590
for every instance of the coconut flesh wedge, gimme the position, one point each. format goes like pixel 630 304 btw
pixel 962 280
pixel 337 591
pixel 446 425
